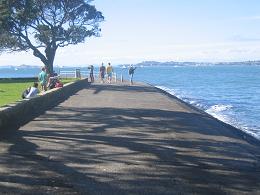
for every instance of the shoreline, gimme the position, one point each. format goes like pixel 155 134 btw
pixel 244 134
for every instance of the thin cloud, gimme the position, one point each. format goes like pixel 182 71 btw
pixel 240 38
pixel 250 18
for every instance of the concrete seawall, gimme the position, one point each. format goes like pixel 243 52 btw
pixel 21 112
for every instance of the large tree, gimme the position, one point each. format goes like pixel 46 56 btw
pixel 45 25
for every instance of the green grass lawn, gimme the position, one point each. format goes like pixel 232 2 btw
pixel 11 89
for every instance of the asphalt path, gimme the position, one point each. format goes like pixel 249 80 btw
pixel 120 139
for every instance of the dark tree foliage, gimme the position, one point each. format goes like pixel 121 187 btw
pixel 45 25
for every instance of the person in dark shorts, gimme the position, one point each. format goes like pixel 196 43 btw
pixel 91 73
pixel 102 72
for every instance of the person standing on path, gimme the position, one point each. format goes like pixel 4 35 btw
pixel 91 73
pixel 43 79
pixel 131 72
pixel 102 71
pixel 109 72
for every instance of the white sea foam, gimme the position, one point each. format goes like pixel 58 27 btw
pixel 192 102
pixel 219 108
pixel 170 91
pixel 218 111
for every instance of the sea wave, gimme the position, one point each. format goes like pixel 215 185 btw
pixel 215 110
pixel 168 90
pixel 221 112
pixel 219 108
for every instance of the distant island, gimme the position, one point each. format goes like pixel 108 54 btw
pixel 22 66
pixel 174 63
pixel 147 64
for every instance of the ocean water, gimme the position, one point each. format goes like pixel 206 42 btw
pixel 230 93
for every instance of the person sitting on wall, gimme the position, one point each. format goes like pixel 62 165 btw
pixel 53 79
pixel 26 92
pixel 58 84
pixel 33 91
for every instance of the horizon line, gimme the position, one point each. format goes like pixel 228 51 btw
pixel 147 61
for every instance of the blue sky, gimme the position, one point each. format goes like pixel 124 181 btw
pixel 166 30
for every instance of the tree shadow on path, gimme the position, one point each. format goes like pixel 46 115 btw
pixel 135 151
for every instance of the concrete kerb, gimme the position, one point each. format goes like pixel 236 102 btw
pixel 21 112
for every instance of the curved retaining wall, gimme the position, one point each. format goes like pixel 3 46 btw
pixel 21 112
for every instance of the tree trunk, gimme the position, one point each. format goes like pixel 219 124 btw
pixel 50 55
pixel 48 59
pixel 49 68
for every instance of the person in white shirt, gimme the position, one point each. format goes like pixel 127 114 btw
pixel 33 91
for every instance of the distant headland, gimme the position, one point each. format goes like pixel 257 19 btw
pixel 152 63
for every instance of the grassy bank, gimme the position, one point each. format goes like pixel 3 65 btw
pixel 11 89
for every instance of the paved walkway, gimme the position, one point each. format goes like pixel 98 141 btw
pixel 115 139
